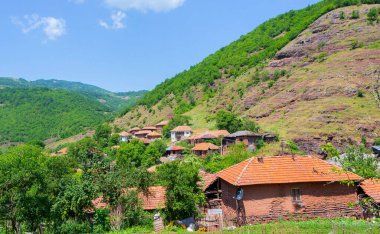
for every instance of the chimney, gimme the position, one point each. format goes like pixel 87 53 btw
pixel 260 159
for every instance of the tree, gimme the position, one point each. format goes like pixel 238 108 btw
pixel 85 152
pixel 358 159
pixel 372 15
pixel 182 191
pixel 329 150
pixel 250 125
pixel 102 134
pixel 228 121
pixel 131 152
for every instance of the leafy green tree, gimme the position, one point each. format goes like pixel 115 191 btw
pixel 228 121
pixel 85 152
pixel 131 152
pixel 358 159
pixel 183 193
pixel 103 134
pixel 250 125
pixel 329 150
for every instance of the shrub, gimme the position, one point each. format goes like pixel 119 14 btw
pixel 377 141
pixel 360 93
pixel 342 16
pixel 355 14
pixel 372 16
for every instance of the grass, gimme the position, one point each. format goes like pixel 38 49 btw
pixel 315 226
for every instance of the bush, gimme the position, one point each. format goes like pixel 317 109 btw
pixel 342 16
pixel 377 141
pixel 355 14
pixel 372 16
pixel 355 44
pixel 360 93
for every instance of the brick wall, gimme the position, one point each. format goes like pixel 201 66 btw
pixel 264 203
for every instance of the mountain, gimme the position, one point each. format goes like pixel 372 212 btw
pixel 115 101
pixel 41 113
pixel 308 75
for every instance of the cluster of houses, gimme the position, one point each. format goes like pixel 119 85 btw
pixel 199 138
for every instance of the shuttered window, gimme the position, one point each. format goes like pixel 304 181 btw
pixel 296 194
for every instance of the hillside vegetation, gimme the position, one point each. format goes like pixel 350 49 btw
pixel 115 101
pixel 41 113
pixel 308 75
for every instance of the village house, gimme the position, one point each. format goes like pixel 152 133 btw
pixel 142 133
pixel 205 148
pixel 174 150
pixel 180 133
pixel 161 125
pixel 124 136
pixel 263 189
pixel 150 128
pixel 134 130
pixel 145 141
pixel 370 188
pixel 246 137
pixel 153 136
pixel 207 135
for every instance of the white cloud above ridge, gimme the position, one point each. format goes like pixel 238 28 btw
pixel 52 27
pixel 145 5
pixel 117 21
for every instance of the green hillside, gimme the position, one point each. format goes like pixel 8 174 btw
pixel 41 113
pixel 299 75
pixel 115 101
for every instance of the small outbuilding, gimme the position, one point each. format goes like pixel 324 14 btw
pixel 161 125
pixel 205 148
pixel 153 136
pixel 370 188
pixel 174 150
pixel 246 137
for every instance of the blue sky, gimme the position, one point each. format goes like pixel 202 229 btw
pixel 122 45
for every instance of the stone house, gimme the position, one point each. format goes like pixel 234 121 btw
pixel 202 149
pixel 285 187
pixel 180 133
pixel 153 136
pixel 246 137
pixel 161 125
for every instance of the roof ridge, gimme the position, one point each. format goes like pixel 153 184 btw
pixel 244 169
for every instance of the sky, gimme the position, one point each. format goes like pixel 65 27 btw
pixel 122 45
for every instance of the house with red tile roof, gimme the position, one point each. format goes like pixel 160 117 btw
pixel 124 136
pixel 205 148
pixel 180 133
pixel 161 125
pixel 174 150
pixel 263 189
pixel 142 133
pixel 153 136
pixel 134 130
pixel 370 188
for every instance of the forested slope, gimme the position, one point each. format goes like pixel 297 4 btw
pixel 41 113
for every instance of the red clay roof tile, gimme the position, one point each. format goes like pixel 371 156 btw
pixel 283 169
pixel 372 188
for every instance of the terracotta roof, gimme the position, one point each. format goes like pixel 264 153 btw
pixel 207 179
pixel 63 151
pixel 163 123
pixel 175 148
pixel 243 133
pixel 195 136
pixel 218 133
pixel 134 129
pixel 283 169
pixel 153 134
pixel 372 188
pixel 143 132
pixel 182 129
pixel 154 198
pixel 124 134
pixel 146 141
pixel 205 146
pixel 99 203
pixel 152 128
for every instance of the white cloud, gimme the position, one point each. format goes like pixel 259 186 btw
pixel 51 26
pixel 145 5
pixel 117 19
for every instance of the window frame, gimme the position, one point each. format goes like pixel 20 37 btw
pixel 296 195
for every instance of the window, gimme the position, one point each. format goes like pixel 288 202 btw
pixel 296 194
